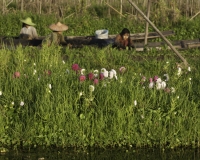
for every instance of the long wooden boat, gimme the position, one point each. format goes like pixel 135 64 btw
pixel 80 41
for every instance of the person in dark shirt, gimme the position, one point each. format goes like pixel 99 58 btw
pixel 56 37
pixel 123 40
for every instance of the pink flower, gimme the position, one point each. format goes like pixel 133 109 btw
pixel 75 67
pixel 16 75
pixel 155 78
pixel 47 72
pixel 122 69
pixel 82 78
pixel 101 76
pixel 151 83
pixel 167 90
pixel 96 81
pixel 91 76
pixel 143 79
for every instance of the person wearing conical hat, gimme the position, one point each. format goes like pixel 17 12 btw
pixel 28 30
pixel 56 37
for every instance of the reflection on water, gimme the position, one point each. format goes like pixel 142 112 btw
pixel 133 154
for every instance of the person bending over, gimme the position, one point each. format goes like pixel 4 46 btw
pixel 123 40
pixel 56 37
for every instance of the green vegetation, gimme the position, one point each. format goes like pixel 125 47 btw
pixel 44 102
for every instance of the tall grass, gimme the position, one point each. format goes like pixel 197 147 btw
pixel 47 105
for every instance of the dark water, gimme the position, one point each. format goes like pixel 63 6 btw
pixel 132 154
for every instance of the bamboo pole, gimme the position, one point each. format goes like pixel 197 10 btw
pixel 147 24
pixel 195 15
pixel 121 8
pixel 161 35
pixel 114 9
pixel 22 5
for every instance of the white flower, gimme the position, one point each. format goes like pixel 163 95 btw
pixel 135 102
pixel 167 77
pixel 189 69
pixel 1 93
pixel 96 72
pixel 81 93
pixel 172 89
pixel 34 64
pixel 163 85
pixel 50 86
pixel 34 71
pixel 21 103
pixel 190 79
pixel 105 74
pixel 12 103
pixel 111 74
pixel 83 71
pixel 63 62
pixel 179 71
pixel 91 88
pixel 103 70
pixel 67 71
pixel 158 86
pixel 114 72
pixel 167 62
pixel 158 80
pixel 177 97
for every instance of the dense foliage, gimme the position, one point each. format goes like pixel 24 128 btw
pixel 48 99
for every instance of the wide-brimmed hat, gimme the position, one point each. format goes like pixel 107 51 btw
pixel 59 27
pixel 28 21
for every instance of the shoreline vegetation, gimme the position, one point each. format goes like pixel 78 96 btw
pixel 99 98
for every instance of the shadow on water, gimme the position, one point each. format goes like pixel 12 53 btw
pixel 131 154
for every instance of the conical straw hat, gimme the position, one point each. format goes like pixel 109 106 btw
pixel 59 27
pixel 28 21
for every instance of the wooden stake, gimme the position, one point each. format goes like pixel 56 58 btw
pixel 161 35
pixel 147 24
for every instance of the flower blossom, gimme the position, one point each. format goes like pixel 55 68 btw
pixel 101 76
pixel 91 76
pixel 105 72
pixel 82 78
pixel 75 67
pixel 91 88
pixel 167 77
pixel 122 69
pixel 16 75
pixel 96 81
pixel 151 83
pixel 83 71
pixel 179 71
pixel 21 103
pixel 96 72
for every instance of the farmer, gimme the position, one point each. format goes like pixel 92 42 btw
pixel 123 40
pixel 56 37
pixel 28 31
